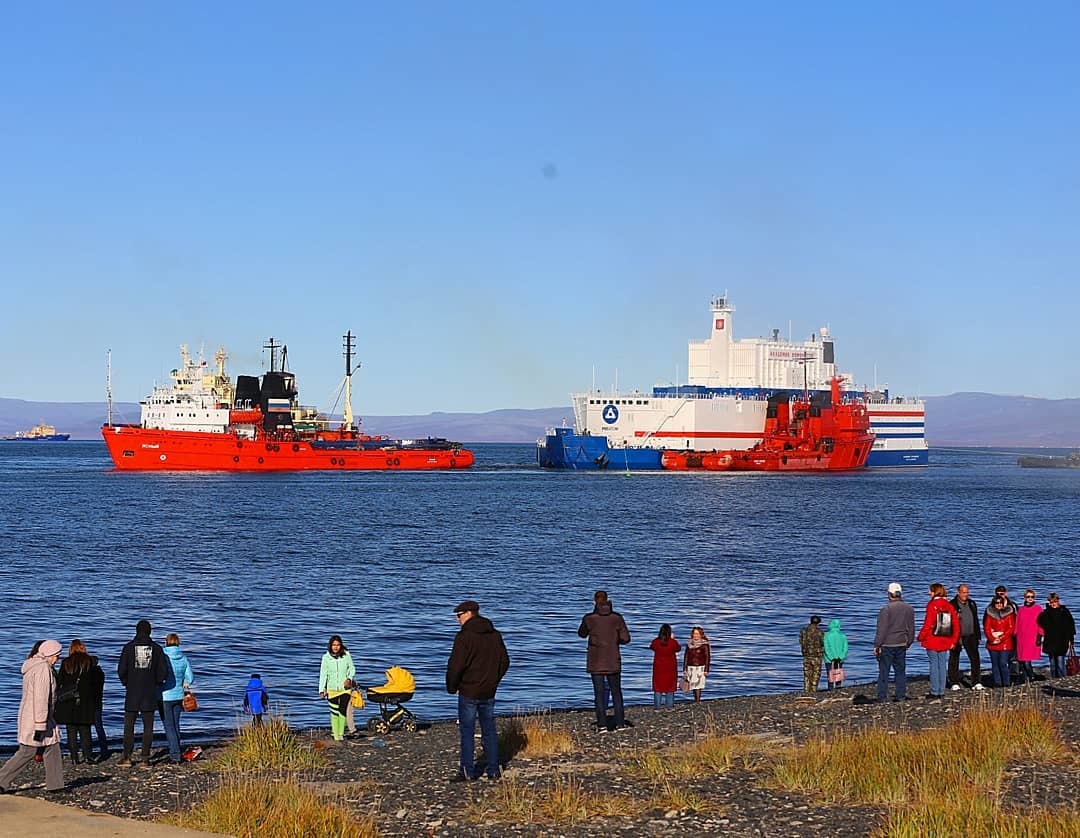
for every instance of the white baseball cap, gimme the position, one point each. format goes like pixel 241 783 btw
pixel 895 589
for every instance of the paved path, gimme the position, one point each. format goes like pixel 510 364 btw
pixel 28 817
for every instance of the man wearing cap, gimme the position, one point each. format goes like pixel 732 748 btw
pixel 142 670
pixel 812 643
pixel 477 664
pixel 37 727
pixel 895 633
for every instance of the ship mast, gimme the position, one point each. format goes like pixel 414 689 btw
pixel 108 384
pixel 347 414
pixel 273 347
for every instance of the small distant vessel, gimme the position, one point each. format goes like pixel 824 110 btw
pixel 205 422
pixel 815 432
pixel 1069 461
pixel 38 433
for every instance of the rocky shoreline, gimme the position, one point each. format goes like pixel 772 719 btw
pixel 402 778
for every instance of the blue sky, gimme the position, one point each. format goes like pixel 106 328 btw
pixel 500 198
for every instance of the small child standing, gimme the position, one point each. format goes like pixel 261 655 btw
pixel 665 667
pixel 696 661
pixel 256 699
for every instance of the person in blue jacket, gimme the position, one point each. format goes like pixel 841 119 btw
pixel 178 680
pixel 256 699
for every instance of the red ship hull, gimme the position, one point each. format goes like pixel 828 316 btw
pixel 799 436
pixel 133 448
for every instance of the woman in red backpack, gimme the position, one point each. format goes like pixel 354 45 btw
pixel 939 633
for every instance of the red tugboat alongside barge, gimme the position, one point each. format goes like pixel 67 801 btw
pixel 203 422
pixel 815 433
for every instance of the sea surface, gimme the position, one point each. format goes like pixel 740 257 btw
pixel 255 572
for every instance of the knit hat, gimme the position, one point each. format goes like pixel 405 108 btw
pixel 48 648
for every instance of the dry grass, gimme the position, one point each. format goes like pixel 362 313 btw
pixel 710 754
pixel 980 816
pixel 565 802
pixel 923 768
pixel 271 746
pixel 267 809
pixel 672 796
pixel 533 736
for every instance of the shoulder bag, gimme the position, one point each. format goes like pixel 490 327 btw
pixel 189 702
pixel 69 692
pixel 1072 662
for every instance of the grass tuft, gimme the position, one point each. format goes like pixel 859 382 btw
pixel 266 809
pixel 711 754
pixel 266 747
pixel 533 736
pixel 564 802
pixel 984 816
pixel 922 768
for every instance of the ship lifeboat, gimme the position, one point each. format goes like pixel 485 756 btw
pixel 696 460
pixel 245 417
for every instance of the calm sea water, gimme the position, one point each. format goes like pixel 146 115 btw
pixel 256 571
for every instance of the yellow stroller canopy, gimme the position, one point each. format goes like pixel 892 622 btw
pixel 398 680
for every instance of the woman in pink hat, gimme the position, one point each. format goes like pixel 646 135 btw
pixel 37 727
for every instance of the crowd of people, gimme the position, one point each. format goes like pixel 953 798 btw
pixel 1016 638
pixel 158 680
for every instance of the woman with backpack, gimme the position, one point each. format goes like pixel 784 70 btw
pixel 939 633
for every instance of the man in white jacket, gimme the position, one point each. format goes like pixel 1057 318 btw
pixel 37 727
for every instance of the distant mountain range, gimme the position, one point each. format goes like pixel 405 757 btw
pixel 962 419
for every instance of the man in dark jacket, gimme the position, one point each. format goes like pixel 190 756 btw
pixel 970 635
pixel 142 670
pixel 477 664
pixel 606 631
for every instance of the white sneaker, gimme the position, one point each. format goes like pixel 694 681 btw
pixel 978 687
pixel 954 687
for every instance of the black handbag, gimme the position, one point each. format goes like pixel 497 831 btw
pixel 69 693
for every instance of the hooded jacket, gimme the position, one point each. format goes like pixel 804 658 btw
pixel 142 670
pixel 36 705
pixel 836 646
pixel 255 697
pixel 179 674
pixel 606 630
pixel 478 661
pixel 998 626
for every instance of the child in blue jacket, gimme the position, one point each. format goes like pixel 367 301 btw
pixel 256 699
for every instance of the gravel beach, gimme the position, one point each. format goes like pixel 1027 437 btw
pixel 402 778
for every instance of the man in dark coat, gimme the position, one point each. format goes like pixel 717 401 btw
pixel 970 637
pixel 477 664
pixel 606 630
pixel 142 670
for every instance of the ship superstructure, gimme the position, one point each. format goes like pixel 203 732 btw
pixel 723 405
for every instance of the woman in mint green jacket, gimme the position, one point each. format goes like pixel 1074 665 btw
pixel 335 680
pixel 835 650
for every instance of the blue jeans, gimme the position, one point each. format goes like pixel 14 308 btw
pixel 1057 666
pixel 894 658
pixel 612 681
pixel 170 718
pixel 665 699
pixel 939 664
pixel 468 710
pixel 999 663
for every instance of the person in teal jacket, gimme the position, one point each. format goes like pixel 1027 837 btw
pixel 835 650
pixel 178 680
pixel 335 680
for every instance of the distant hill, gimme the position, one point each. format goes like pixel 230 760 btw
pixel 962 419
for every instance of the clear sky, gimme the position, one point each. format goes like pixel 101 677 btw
pixel 499 198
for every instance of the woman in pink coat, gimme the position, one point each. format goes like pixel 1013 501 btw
pixel 37 727
pixel 1029 636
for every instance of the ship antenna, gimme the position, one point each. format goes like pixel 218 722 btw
pixel 108 384
pixel 347 414
pixel 273 347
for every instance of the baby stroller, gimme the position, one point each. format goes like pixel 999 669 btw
pixel 399 688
